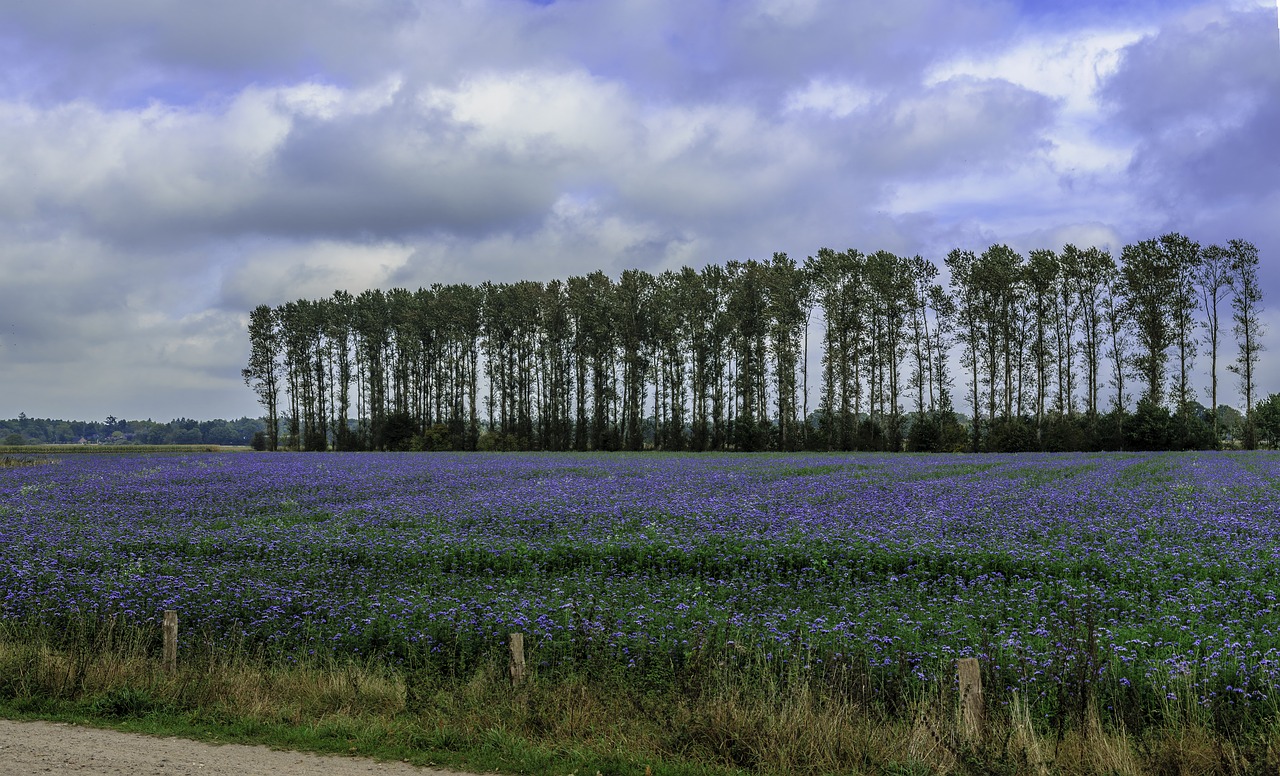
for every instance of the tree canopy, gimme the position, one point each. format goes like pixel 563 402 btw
pixel 718 358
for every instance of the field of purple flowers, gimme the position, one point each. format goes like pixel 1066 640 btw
pixel 1146 582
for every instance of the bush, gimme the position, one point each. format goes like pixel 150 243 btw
pixel 937 432
pixel 1189 431
pixel 397 432
pixel 1149 428
pixel 1061 434
pixel 1012 435
pixel 1110 431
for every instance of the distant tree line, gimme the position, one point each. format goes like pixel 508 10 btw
pixel 1051 345
pixel 23 430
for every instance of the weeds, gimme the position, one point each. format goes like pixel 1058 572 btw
pixel 713 718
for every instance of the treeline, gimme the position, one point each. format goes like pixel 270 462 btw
pixel 23 430
pixel 1052 346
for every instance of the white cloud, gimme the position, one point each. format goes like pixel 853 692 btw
pixel 270 273
pixel 837 99
pixel 328 102
pixel 1069 68
pixel 1066 66
pixel 531 114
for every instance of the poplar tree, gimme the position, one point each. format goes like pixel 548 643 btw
pixel 262 373
pixel 1246 310
pixel 1214 284
pixel 1183 259
pixel 1147 279
pixel 1097 271
pixel 968 301
pixel 1041 284
pixel 787 294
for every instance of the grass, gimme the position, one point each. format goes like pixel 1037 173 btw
pixel 706 719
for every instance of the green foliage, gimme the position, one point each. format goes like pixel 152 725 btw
pixel 1191 429
pixel 119 432
pixel 1013 435
pixel 436 439
pixel 1061 434
pixel 125 703
pixel 396 432
pixel 1149 428
pixel 1267 420
pixel 937 432
pixel 717 358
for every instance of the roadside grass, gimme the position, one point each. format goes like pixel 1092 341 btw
pixel 707 719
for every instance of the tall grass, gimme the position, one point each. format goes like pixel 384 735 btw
pixel 711 715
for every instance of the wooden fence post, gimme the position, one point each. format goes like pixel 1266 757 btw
pixel 170 640
pixel 515 642
pixel 969 675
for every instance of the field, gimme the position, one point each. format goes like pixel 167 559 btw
pixel 1139 587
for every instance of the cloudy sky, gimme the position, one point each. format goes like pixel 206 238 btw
pixel 166 166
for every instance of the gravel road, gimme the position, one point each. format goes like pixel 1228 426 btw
pixel 31 748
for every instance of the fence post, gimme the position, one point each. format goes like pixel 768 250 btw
pixel 969 675
pixel 170 640
pixel 515 643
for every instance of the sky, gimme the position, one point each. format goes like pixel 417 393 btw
pixel 165 167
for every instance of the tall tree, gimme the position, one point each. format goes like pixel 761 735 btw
pixel 944 327
pixel 840 286
pixel 890 287
pixel 635 334
pixel 701 306
pixel 556 367
pixel 341 309
pixel 1147 279
pixel 1214 283
pixel 969 313
pixel 262 373
pixel 994 285
pixel 1069 269
pixel 1183 257
pixel 1246 310
pixel 922 275
pixel 371 323
pixel 1115 316
pixel 747 308
pixel 1042 284
pixel 1097 271
pixel 595 348
pixel 672 348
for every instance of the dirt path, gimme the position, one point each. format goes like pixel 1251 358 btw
pixel 30 748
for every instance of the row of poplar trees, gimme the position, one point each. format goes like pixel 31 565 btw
pixel 717 358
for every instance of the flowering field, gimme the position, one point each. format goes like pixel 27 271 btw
pixel 1151 578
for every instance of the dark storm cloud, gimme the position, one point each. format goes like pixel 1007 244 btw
pixel 1204 99
pixel 393 175
pixel 135 50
